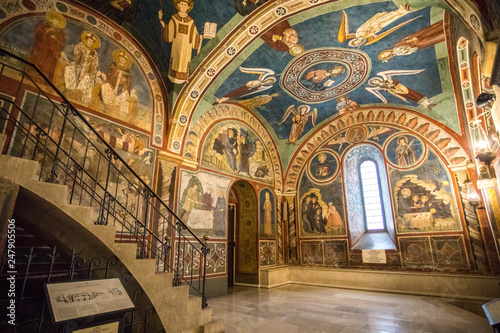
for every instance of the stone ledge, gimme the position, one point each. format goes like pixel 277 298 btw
pixel 464 286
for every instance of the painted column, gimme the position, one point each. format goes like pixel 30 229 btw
pixel 279 229
pixel 473 226
pixel 292 230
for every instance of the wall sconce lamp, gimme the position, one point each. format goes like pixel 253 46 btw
pixel 485 99
pixel 481 143
pixel 472 195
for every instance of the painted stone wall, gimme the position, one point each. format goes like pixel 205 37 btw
pixel 94 63
pixel 419 197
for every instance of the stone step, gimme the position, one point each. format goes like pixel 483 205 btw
pixel 85 215
pixel 214 326
pixel 53 193
pixel 178 311
pixel 25 170
pixel 206 315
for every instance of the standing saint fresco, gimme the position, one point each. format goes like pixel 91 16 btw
pixel 220 214
pixel 182 33
pixel 268 208
pixel 49 42
pixel 231 148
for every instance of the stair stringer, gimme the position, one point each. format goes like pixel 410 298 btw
pixel 177 310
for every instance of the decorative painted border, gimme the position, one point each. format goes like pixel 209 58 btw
pixel 413 122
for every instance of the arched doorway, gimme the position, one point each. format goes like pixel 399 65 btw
pixel 243 235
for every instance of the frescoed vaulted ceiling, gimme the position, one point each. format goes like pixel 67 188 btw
pixel 297 64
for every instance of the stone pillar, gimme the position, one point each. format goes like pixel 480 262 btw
pixel 473 225
pixel 292 230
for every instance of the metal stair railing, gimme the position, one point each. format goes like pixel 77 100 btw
pixel 71 151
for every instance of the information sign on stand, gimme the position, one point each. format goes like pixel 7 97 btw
pixel 79 299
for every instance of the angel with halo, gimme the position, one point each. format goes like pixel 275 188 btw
pixel 384 82
pixel 370 29
pixel 300 117
pixel 264 82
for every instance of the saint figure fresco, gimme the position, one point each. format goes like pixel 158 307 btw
pixel 282 37
pixel 182 33
pixel 117 92
pixel 236 149
pixel 267 214
pixel 199 208
pixel 81 73
pixel 49 42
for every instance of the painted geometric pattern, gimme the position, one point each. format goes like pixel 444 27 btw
pixel 267 253
pixel 336 253
pixel 247 252
pixel 312 253
pixel 416 252
pixel 449 252
pixel 215 264
pixel 439 253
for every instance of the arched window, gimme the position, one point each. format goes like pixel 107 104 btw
pixel 372 201
pixel 371 224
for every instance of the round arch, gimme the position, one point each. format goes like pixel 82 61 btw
pixel 445 142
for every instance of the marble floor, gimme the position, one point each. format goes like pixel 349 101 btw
pixel 298 308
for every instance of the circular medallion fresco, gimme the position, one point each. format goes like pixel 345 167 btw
pixel 323 74
pixel 323 167
pixel 404 151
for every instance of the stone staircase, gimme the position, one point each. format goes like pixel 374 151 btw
pixel 178 311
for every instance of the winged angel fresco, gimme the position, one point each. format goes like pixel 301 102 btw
pixel 300 117
pixel 384 82
pixel 264 82
pixel 370 29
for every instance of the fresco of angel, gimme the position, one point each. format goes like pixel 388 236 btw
pixel 369 31
pixel 423 38
pixel 300 117
pixel 264 82
pixel 384 82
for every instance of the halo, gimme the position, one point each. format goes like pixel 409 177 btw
pixel 370 81
pixel 341 96
pixel 296 49
pixel 97 41
pixel 357 42
pixel 50 18
pixel 119 52
pixel 402 137
pixel 385 58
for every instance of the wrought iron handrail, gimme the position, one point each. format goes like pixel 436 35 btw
pixel 57 138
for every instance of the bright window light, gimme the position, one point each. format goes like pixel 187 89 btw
pixel 371 195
